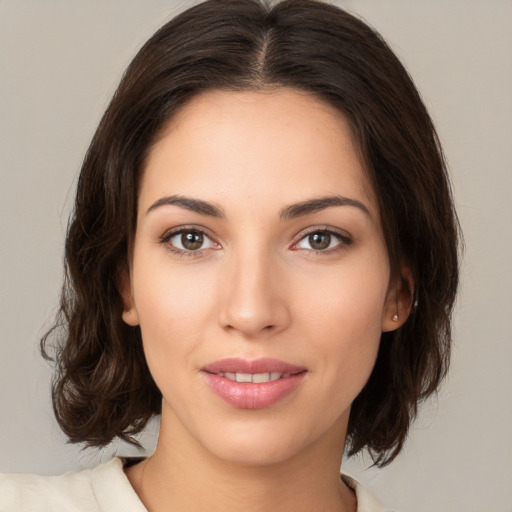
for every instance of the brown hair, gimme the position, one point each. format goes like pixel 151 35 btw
pixel 102 386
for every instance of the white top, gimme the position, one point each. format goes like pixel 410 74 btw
pixel 103 489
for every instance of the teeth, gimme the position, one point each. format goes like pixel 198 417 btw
pixel 261 377
pixel 255 378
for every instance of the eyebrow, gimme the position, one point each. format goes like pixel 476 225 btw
pixel 290 212
pixel 194 205
pixel 316 205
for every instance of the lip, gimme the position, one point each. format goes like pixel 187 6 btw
pixel 263 365
pixel 245 395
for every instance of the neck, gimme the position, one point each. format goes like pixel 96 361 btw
pixel 182 475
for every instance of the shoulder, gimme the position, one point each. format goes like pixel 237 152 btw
pixel 365 501
pixel 96 490
pixel 71 492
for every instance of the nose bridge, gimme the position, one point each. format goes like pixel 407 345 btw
pixel 253 300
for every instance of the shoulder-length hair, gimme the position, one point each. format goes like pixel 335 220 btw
pixel 102 387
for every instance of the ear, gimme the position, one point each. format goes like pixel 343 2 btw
pixel 124 283
pixel 398 301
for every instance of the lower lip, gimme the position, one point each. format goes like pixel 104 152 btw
pixel 247 395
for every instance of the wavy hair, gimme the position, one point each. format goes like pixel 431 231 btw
pixel 102 387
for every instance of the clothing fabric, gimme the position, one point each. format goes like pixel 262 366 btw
pixel 103 489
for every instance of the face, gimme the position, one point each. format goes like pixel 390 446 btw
pixel 259 275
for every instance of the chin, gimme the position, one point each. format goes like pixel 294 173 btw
pixel 262 444
pixel 254 453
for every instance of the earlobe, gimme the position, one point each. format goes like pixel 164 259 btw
pixel 399 301
pixel 129 315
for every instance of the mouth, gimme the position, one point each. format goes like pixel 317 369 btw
pixel 256 378
pixel 253 384
pixel 262 366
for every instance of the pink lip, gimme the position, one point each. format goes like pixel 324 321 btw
pixel 264 365
pixel 248 395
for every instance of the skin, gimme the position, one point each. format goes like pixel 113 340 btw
pixel 256 288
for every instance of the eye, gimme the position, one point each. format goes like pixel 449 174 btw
pixel 322 240
pixel 188 240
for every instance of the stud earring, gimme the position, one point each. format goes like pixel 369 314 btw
pixel 395 317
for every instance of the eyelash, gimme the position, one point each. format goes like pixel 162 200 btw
pixel 166 238
pixel 343 238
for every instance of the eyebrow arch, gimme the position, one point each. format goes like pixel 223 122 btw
pixel 316 205
pixel 194 205
pixel 290 212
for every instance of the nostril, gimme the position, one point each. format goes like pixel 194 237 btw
pixel 231 327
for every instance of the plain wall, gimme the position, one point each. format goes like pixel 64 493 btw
pixel 61 60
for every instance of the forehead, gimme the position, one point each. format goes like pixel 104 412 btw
pixel 275 145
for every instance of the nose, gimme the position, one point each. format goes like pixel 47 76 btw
pixel 254 300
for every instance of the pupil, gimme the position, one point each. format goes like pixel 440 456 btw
pixel 192 240
pixel 320 241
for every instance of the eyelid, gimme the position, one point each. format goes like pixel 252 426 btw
pixel 344 237
pixel 177 230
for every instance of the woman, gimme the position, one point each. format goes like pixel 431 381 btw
pixel 264 251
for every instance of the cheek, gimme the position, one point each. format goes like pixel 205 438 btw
pixel 172 308
pixel 346 300
pixel 342 316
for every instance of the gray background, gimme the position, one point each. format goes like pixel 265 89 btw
pixel 60 61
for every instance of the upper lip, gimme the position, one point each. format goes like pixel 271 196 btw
pixel 263 365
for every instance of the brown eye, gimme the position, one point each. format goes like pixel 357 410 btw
pixel 192 240
pixel 319 241
pixel 188 240
pixel 323 240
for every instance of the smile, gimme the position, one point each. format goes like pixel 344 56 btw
pixel 257 378
pixel 253 384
